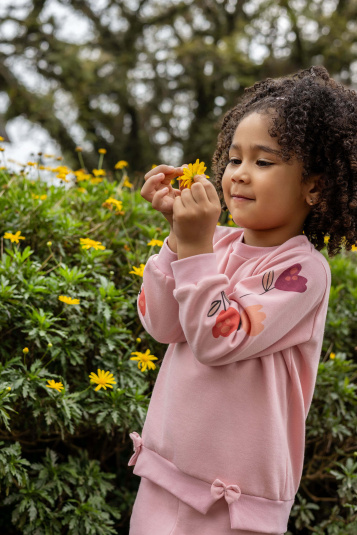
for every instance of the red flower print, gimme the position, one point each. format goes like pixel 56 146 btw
pixel 142 302
pixel 227 321
pixel 291 281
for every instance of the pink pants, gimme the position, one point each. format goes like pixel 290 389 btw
pixel 158 512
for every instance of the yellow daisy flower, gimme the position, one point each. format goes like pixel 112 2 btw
pixel 102 151
pixel 198 168
pixel 87 243
pixel 121 164
pixel 103 379
pixel 144 360
pixel 127 183
pixel 111 200
pixel 98 172
pixel 138 271
pixel 69 300
pixel 52 384
pixel 332 356
pixel 14 237
pixel 156 242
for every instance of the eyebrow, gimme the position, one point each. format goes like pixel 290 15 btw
pixel 261 147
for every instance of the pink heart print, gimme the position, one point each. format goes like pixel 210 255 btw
pixel 291 281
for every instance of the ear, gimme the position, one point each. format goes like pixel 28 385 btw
pixel 313 189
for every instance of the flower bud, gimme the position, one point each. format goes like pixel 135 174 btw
pixel 25 350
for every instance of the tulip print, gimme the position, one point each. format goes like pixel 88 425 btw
pixel 291 281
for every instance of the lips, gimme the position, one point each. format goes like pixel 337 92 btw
pixel 242 197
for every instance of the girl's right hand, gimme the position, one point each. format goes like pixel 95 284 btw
pixel 154 191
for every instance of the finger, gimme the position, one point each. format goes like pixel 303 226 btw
pixel 199 194
pixel 169 170
pixel 210 190
pixel 186 198
pixel 160 203
pixel 151 186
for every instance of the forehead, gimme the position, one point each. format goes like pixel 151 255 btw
pixel 254 128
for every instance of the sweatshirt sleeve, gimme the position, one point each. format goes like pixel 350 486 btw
pixel 157 308
pixel 264 313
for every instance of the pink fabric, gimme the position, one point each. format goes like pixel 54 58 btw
pixel 137 442
pixel 245 327
pixel 231 493
pixel 158 512
pixel 269 516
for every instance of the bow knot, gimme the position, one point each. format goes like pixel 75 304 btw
pixel 138 442
pixel 231 492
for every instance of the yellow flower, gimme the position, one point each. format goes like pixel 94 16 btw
pixel 96 180
pixel 1 138
pixel 198 168
pixel 102 151
pixel 127 183
pixel 42 197
pixel 111 200
pixel 103 379
pixel 78 149
pixel 121 164
pixel 98 172
pixel 156 242
pixel 25 350
pixel 138 271
pixel 82 190
pixel 69 300
pixel 153 166
pixel 326 239
pixel 354 248
pixel 31 164
pixel 14 237
pixel 138 340
pixel 49 243
pixel 1 149
pixel 53 384
pixel 87 243
pixel 144 360
pixel 82 175
pixel 332 356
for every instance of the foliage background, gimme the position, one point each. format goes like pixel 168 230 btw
pixel 150 79
pixel 64 455
pixel 148 82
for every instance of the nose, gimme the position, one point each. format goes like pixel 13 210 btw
pixel 240 174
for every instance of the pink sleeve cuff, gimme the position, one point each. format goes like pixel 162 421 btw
pixel 163 260
pixel 193 269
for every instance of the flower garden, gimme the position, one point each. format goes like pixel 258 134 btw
pixel 77 369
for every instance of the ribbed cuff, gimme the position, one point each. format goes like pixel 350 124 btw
pixel 163 260
pixel 193 269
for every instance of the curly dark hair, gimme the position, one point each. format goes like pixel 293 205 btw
pixel 315 120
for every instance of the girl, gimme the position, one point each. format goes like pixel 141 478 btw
pixel 243 310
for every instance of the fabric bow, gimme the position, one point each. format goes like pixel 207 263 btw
pixel 231 492
pixel 137 440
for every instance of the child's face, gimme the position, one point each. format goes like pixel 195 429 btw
pixel 279 201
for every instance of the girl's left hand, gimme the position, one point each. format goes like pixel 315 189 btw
pixel 196 213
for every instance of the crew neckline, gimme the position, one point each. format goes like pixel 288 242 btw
pixel 253 251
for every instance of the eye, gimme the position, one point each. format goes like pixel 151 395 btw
pixel 234 161
pixel 263 163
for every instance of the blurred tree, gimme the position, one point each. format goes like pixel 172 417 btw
pixel 149 80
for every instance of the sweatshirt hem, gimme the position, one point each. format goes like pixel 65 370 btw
pixel 246 512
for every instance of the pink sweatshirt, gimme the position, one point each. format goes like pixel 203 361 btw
pixel 227 415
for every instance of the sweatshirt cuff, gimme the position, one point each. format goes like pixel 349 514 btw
pixel 163 260
pixel 193 269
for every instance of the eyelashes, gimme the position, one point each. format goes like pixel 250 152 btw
pixel 233 161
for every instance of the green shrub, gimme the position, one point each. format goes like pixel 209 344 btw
pixel 64 450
